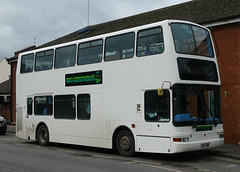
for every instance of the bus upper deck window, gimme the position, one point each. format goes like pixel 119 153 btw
pixel 150 42
pixel 65 56
pixel 90 52
pixel 190 39
pixel 119 47
pixel 44 60
pixel 27 63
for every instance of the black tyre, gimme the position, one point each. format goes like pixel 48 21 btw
pixel 3 132
pixel 43 135
pixel 125 143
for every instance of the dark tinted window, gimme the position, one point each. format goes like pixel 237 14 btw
pixel 83 106
pixel 201 70
pixel 44 60
pixel 119 47
pixel 189 39
pixel 157 107
pixel 29 106
pixel 64 107
pixel 196 105
pixel 150 42
pixel 27 63
pixel 90 52
pixel 43 105
pixel 65 56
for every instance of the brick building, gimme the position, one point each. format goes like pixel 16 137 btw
pixel 228 40
pixel 223 16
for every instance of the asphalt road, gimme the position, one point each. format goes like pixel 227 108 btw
pixel 18 155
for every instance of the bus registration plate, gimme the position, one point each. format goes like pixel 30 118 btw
pixel 205 145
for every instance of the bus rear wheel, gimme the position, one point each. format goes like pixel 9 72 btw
pixel 125 143
pixel 43 135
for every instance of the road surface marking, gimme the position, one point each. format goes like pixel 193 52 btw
pixel 155 165
pixel 100 156
pixel 67 151
pixel 226 159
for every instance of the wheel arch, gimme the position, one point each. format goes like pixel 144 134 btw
pixel 116 132
pixel 40 124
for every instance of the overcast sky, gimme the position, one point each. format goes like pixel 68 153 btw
pixel 22 21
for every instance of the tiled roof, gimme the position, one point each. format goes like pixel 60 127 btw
pixel 5 87
pixel 15 57
pixel 198 11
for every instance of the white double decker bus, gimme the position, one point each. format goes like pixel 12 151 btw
pixel 152 88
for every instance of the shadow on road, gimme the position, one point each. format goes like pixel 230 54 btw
pixel 194 156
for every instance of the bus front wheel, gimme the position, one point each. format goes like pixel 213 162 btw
pixel 43 135
pixel 125 143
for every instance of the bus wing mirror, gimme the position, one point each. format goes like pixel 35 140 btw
pixel 165 85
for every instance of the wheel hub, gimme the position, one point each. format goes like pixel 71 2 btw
pixel 125 143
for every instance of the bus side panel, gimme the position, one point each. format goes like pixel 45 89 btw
pixel 118 111
pixel 153 144
pixel 119 106
pixel 20 122
pixel 82 131
pixel 43 82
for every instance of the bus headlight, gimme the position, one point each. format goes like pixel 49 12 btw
pixel 180 139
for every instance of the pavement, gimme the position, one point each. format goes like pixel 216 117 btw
pixel 11 129
pixel 227 151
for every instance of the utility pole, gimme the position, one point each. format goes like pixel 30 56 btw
pixel 88 14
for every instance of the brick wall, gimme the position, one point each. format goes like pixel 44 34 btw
pixel 13 90
pixel 228 39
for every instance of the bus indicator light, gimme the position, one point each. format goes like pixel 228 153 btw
pixel 179 139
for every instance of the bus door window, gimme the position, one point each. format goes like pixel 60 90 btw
pixel 157 108
pixel 29 106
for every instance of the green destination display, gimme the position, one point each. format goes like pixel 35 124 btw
pixel 203 128
pixel 84 78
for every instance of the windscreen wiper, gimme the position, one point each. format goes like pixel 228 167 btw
pixel 215 123
pixel 204 108
pixel 204 111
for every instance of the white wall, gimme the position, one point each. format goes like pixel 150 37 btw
pixel 4 70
